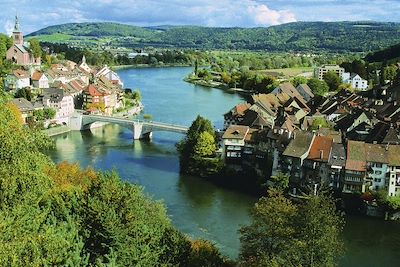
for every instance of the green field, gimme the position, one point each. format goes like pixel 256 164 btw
pixel 288 72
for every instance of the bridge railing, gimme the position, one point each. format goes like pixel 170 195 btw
pixel 152 123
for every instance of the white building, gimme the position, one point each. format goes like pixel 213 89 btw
pixel 40 80
pixel 112 76
pixel 18 79
pixel 320 72
pixel 355 80
pixel 394 171
pixel 377 166
pixel 61 102
pixel 234 141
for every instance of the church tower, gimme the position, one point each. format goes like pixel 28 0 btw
pixel 17 34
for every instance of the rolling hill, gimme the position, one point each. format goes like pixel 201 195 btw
pixel 297 36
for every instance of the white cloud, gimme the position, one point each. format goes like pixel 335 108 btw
pixel 265 16
pixel 9 27
pixel 218 13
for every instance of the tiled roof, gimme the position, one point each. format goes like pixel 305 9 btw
pixel 376 153
pixel 320 149
pixel 21 74
pixel 394 155
pixel 236 132
pixel 338 155
pixel 299 145
pixel 22 104
pixel 306 89
pixel 356 156
pixel 36 76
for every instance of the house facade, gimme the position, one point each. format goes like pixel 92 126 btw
pixel 61 102
pixel 321 71
pixel 233 142
pixel 18 79
pixel 40 80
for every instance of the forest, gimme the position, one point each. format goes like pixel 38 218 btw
pixel 311 37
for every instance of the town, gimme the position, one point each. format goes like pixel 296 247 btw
pixel 348 141
pixel 49 95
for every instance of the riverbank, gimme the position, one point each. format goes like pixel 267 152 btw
pixel 56 130
pixel 142 66
pixel 217 85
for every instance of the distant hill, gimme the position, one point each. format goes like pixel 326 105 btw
pixel 391 53
pixel 297 36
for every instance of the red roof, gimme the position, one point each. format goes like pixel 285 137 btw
pixel 92 90
pixel 36 76
pixel 320 149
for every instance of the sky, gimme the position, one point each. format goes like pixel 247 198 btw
pixel 37 14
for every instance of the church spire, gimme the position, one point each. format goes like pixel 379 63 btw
pixel 16 26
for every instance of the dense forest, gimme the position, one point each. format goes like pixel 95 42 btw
pixel 298 36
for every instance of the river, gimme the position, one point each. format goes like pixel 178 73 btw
pixel 197 207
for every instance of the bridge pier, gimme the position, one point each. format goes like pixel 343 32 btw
pixel 139 132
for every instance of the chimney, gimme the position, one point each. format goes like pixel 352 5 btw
pixel 321 154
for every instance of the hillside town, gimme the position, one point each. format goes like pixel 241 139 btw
pixel 349 141
pixel 61 88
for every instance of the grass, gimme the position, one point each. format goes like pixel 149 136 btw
pixel 288 72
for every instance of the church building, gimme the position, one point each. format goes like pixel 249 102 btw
pixel 20 53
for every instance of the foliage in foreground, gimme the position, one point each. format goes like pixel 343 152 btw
pixel 283 233
pixel 62 215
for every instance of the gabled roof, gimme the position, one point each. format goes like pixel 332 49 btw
pixel 376 153
pixel 306 89
pixel 392 137
pixel 21 48
pixel 93 90
pixel 253 119
pixel 320 149
pixel 356 156
pixel 394 155
pixel 36 76
pixel 299 145
pixel 338 155
pixel 20 74
pixel 53 94
pixel 22 104
pixel 236 132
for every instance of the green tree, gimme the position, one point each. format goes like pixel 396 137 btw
pixel 270 236
pixel 191 151
pixel 320 232
pixel 62 215
pixel 296 81
pixel 280 181
pixel 286 234
pixel 205 145
pixel 35 47
pixel 332 80
pixel 24 93
pixel 389 73
pixel 318 87
pixel 49 113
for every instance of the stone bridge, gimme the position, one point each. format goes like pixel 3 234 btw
pixel 141 129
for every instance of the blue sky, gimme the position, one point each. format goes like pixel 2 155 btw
pixel 37 14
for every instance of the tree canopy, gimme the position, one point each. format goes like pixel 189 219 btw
pixel 283 233
pixel 318 87
pixel 63 215
pixel 332 80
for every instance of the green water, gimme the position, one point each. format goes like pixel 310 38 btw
pixel 197 207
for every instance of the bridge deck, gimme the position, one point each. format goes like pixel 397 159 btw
pixel 150 124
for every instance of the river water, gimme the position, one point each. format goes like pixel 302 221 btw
pixel 196 207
